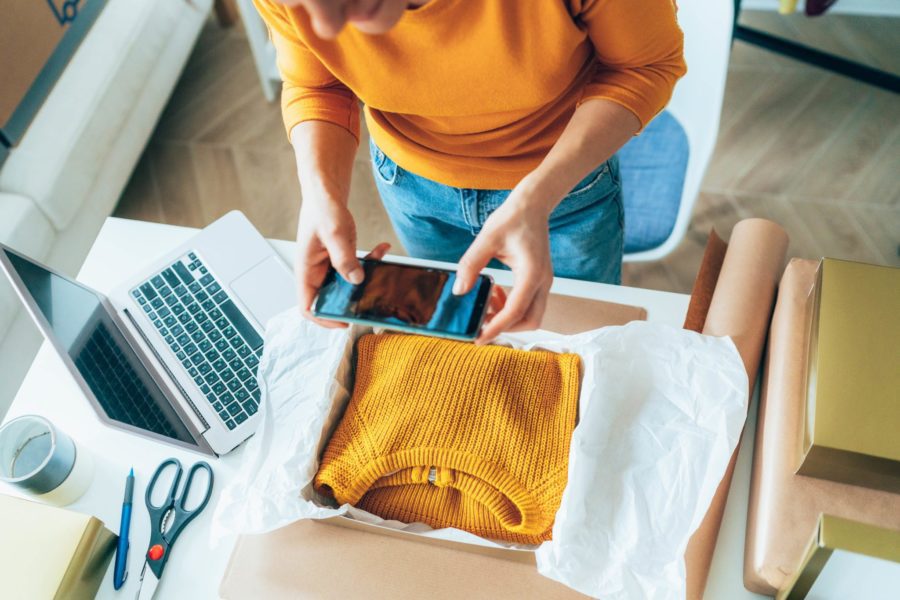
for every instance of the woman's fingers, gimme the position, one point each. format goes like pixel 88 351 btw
pixel 535 313
pixel 378 252
pixel 472 262
pixel 517 306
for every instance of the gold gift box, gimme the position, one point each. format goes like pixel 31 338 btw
pixel 865 558
pixel 853 402
pixel 48 552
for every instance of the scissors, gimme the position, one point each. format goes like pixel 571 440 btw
pixel 167 521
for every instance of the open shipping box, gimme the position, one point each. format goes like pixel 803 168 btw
pixel 733 295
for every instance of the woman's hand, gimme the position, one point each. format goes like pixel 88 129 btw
pixel 517 234
pixel 326 237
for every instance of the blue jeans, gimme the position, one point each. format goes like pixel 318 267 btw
pixel 439 222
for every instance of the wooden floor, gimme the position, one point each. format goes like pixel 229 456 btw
pixel 816 152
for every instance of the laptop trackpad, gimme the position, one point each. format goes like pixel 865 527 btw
pixel 266 290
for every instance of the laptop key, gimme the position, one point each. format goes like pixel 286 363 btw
pixel 211 355
pixel 240 418
pixel 178 309
pixel 236 364
pixel 211 379
pixel 242 394
pixel 206 279
pixel 221 345
pixel 164 312
pixel 197 335
pixel 192 255
pixel 142 300
pixel 207 326
pixel 158 323
pixel 218 388
pixel 244 374
pixel 234 385
pixel 204 368
pixel 251 407
pixel 183 273
pixel 194 287
pixel 148 291
pixel 216 404
pixel 169 276
pixel 171 300
pixel 147 308
pixel 163 332
pixel 157 282
pixel 204 345
pixel 156 302
pixel 254 388
pixel 181 291
pixel 191 327
pixel 220 297
pixel 229 355
pixel 190 349
pixel 165 291
pixel 201 318
pixel 217 337
pixel 245 351
pixel 184 318
pixel 193 372
pixel 222 323
pixel 226 398
pixel 241 323
pixel 183 339
pixel 213 288
pixel 252 361
pixel 215 314
pixel 223 414
pixel 209 306
pixel 170 340
pixel 230 424
pixel 227 374
pixel 202 296
pixel 170 321
pixel 177 330
pixel 234 408
pixel 180 355
pixel 219 365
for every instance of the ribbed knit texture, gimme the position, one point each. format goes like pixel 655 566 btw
pixel 455 435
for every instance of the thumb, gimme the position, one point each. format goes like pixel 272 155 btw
pixel 473 261
pixel 342 254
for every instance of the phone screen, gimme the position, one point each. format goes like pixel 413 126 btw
pixel 405 297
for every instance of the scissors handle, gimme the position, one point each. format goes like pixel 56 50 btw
pixel 161 542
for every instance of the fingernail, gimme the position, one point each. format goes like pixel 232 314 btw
pixel 457 287
pixel 356 276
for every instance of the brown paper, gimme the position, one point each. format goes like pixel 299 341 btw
pixel 741 306
pixel 309 559
pixel 705 284
pixel 784 507
pixel 570 314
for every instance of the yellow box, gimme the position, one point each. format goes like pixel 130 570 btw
pixel 847 559
pixel 48 552
pixel 852 424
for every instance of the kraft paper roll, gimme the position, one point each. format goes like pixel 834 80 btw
pixel 741 306
pixel 784 507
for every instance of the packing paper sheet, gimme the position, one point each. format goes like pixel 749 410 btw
pixel 660 413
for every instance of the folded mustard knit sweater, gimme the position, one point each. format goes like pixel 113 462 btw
pixel 455 435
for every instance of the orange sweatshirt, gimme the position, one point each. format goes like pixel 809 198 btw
pixel 474 93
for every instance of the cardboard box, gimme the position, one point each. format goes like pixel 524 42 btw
pixel 50 552
pixel 37 39
pixel 784 507
pixel 377 562
pixel 852 410
pixel 847 559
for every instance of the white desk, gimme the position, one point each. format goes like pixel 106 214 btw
pixel 196 568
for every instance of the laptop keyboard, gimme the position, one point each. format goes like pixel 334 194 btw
pixel 214 341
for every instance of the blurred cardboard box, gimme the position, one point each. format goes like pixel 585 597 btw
pixel 847 559
pixel 852 411
pixel 37 39
pixel 50 552
pixel 784 507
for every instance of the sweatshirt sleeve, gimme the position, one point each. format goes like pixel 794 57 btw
pixel 310 91
pixel 639 49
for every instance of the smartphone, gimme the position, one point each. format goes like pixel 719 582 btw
pixel 405 298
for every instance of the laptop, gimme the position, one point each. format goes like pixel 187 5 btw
pixel 173 353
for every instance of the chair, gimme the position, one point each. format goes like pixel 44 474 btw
pixel 696 106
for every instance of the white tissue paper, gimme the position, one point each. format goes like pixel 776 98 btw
pixel 660 413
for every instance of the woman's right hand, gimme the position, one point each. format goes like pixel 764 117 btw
pixel 326 237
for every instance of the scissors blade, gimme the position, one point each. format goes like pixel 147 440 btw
pixel 149 583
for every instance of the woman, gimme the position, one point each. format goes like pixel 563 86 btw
pixel 494 125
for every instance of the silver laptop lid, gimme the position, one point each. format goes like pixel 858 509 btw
pixel 81 325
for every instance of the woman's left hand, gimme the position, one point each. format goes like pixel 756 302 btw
pixel 518 235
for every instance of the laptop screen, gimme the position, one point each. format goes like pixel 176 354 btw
pixel 84 329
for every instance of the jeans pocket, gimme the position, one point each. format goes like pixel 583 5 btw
pixel 385 169
pixel 597 187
